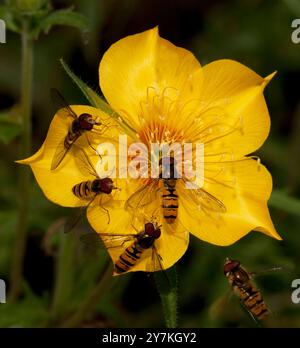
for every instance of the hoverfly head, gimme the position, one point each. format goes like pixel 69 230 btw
pixel 230 266
pixel 86 122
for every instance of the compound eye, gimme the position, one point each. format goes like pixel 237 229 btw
pixel 230 265
pixel 149 229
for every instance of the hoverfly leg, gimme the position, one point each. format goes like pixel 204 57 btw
pixel 91 146
pixel 106 210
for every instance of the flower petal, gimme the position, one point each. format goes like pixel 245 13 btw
pixel 139 65
pixel 57 184
pixel 243 187
pixel 233 103
pixel 225 78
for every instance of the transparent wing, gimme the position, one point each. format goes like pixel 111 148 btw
pixel 60 102
pixel 73 221
pixel 142 197
pixel 60 154
pixel 84 163
pixel 156 261
pixel 205 200
pixel 107 240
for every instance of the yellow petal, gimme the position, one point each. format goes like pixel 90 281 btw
pixel 234 109
pixel 139 66
pixel 171 245
pixel 57 184
pixel 244 187
pixel 225 78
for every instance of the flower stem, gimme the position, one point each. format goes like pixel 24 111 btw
pixel 88 305
pixel 16 275
pixel 167 286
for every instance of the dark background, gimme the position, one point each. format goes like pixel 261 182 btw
pixel 258 34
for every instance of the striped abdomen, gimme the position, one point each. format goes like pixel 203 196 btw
pixel 129 258
pixel 253 301
pixel 169 200
pixel 72 136
pixel 83 190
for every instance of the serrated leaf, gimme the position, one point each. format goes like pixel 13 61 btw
pixel 166 282
pixel 96 101
pixel 64 17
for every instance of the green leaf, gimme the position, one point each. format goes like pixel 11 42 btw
pixel 9 19
pixel 280 200
pixel 96 101
pixel 166 282
pixel 64 17
pixel 10 126
pixel 9 132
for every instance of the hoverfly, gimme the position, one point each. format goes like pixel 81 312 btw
pixel 139 243
pixel 167 187
pixel 80 125
pixel 241 282
pixel 90 189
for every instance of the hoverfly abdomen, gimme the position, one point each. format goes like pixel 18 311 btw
pixel 87 189
pixel 132 254
pixel 242 285
pixel 169 200
pixel 169 195
pixel 83 190
pixel 129 258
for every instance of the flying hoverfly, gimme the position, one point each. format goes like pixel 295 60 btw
pixel 139 243
pixel 81 124
pixel 241 282
pixel 90 189
pixel 167 185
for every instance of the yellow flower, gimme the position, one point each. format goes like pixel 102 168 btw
pixel 163 93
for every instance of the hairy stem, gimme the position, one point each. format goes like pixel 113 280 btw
pixel 16 275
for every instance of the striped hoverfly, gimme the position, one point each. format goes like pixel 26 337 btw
pixel 137 244
pixel 242 285
pixel 88 190
pixel 166 184
pixel 80 125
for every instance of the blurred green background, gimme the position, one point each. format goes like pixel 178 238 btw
pixel 60 274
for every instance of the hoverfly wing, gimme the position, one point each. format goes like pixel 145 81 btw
pixel 142 197
pixel 59 154
pixel 156 260
pixel 206 200
pixel 72 222
pixel 60 102
pixel 84 163
pixel 107 240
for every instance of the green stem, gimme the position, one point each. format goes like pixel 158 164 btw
pixel 16 275
pixel 64 271
pixel 88 305
pixel 167 286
